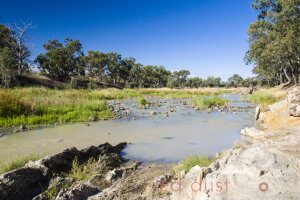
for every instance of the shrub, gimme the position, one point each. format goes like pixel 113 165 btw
pixel 84 171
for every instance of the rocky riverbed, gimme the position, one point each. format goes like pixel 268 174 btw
pixel 164 107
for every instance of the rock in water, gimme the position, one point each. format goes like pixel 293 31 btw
pixel 293 99
pixel 153 113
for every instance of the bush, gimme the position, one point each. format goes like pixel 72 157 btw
pixel 84 171
pixel 11 105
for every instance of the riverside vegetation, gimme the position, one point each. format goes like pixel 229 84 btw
pixel 33 106
pixel 19 162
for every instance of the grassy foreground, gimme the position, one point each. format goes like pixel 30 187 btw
pixel 19 162
pixel 42 106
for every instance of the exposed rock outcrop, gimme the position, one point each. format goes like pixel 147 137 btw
pixel 33 179
pixel 293 99
pixel 261 171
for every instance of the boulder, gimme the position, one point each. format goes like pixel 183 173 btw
pixel 33 179
pixel 78 192
pixel 55 186
pixel 153 113
pixel 293 99
pixel 162 180
pixel 253 133
pixel 23 183
pixel 114 175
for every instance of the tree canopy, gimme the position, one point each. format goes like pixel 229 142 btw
pixel 66 62
pixel 274 40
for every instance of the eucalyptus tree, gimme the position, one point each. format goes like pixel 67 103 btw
pixel 8 59
pixel 61 61
pixel 113 67
pixel 275 41
pixel 96 64
pixel 235 81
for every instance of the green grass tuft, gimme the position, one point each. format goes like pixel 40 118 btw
pixel 84 171
pixel 263 100
pixel 19 162
pixel 191 161
pixel 205 102
pixel 142 101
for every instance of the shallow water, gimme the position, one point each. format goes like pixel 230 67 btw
pixel 153 138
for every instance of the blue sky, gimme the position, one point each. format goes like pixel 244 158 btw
pixel 207 37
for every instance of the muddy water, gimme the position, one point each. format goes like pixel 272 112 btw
pixel 153 137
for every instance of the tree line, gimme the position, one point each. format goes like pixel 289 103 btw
pixel 66 61
pixel 274 40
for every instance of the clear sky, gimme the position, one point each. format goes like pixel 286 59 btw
pixel 207 37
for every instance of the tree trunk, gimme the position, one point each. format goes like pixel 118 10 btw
pixel 294 76
pixel 280 78
pixel 287 76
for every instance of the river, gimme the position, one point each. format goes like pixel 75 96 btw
pixel 153 138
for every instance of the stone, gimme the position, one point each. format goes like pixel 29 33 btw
pixel 23 183
pixel 78 192
pixel 153 113
pixel 113 175
pixel 33 179
pixel 161 180
pixel 56 185
pixel 253 133
pixel 293 99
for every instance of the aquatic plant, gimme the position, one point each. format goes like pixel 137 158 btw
pixel 142 101
pixel 205 102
